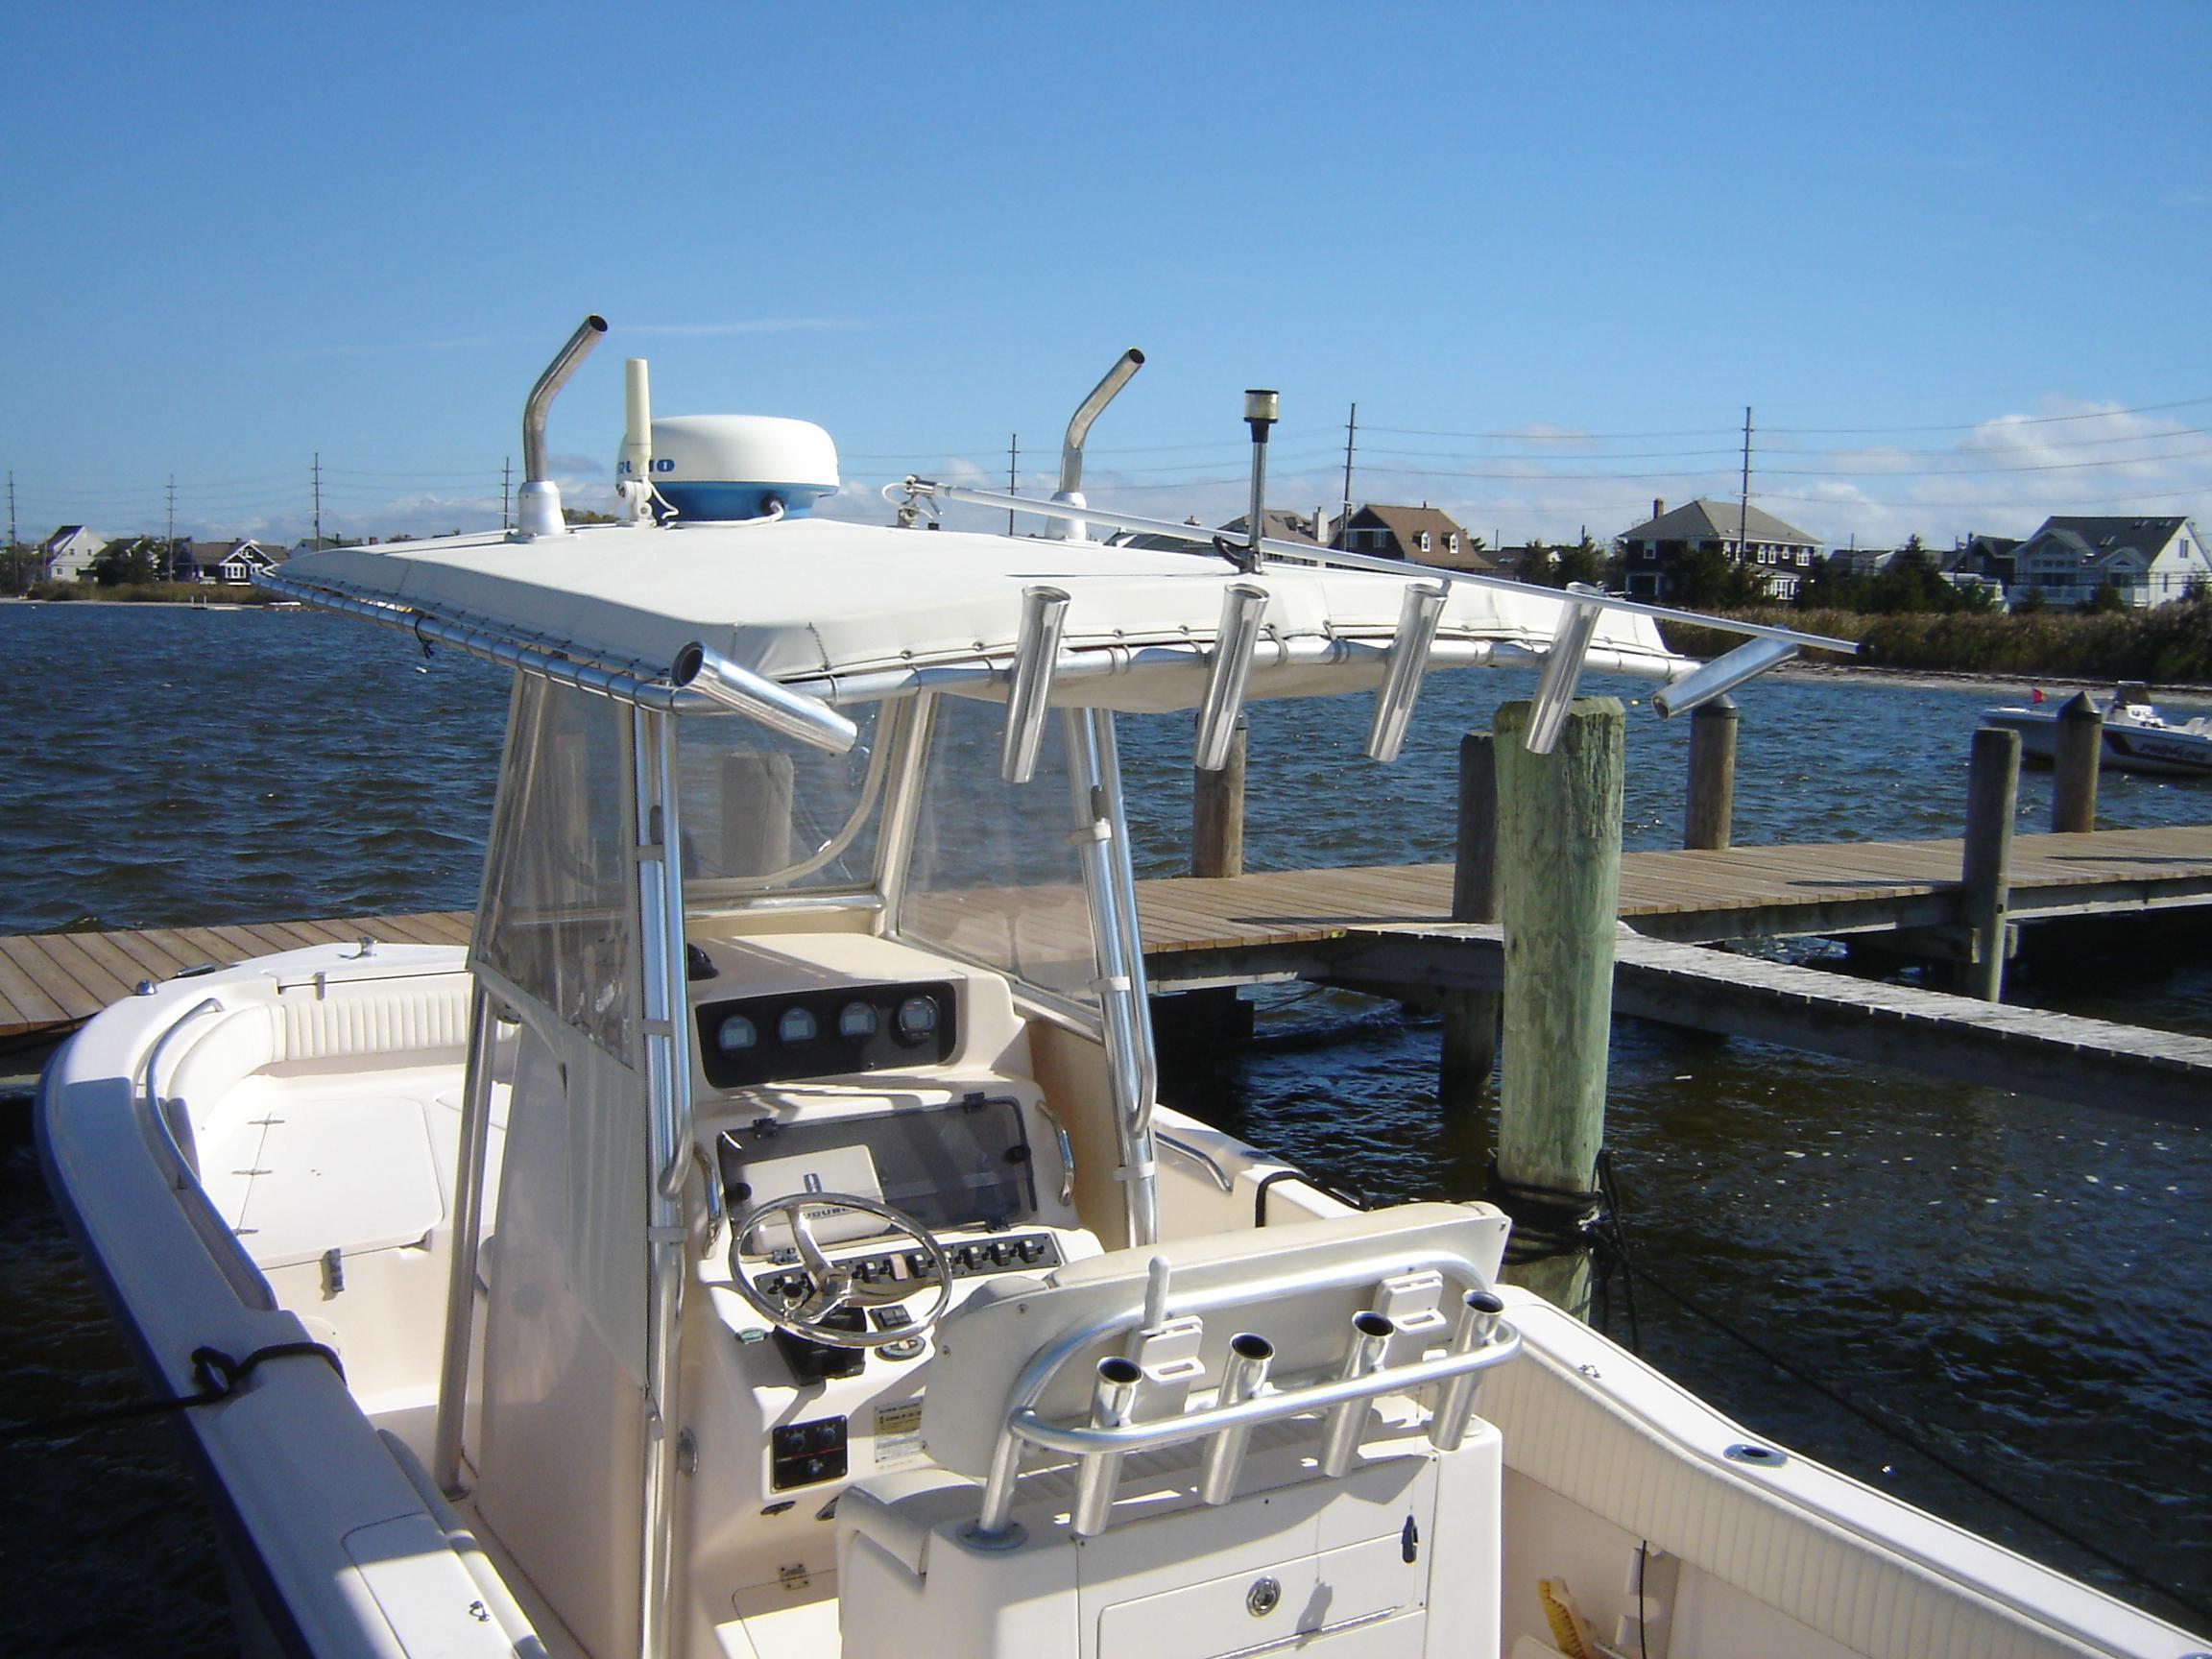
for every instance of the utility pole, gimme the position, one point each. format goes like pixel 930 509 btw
pixel 169 553
pixel 1013 455
pixel 316 473
pixel 1743 501
pixel 12 510
pixel 1351 432
pixel 506 482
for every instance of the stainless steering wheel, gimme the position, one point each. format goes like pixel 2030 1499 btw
pixel 835 1287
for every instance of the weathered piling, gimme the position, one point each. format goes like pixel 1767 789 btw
pixel 1559 897
pixel 1470 1017
pixel 1710 810
pixel 758 792
pixel 1217 812
pixel 2074 766
pixel 1992 795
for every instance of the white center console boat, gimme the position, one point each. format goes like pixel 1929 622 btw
pixel 765 1238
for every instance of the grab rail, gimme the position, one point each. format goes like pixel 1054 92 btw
pixel 151 1098
pixel 1084 1439
pixel 1498 1341
pixel 223 1248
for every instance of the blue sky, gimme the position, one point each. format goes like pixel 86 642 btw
pixel 1955 256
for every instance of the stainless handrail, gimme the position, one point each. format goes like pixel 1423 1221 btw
pixel 152 1098
pixel 1037 1376
pixel 1197 1155
pixel 1079 1440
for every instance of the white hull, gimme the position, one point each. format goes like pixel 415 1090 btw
pixel 352 1551
pixel 2168 750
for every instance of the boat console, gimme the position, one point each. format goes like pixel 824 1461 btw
pixel 875 1153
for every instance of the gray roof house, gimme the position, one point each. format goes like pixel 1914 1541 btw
pixel 1281 527
pixel 2151 561
pixel 67 555
pixel 1782 553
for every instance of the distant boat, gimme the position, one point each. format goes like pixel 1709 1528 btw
pixel 2137 737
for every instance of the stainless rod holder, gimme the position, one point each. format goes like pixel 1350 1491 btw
pixel 1720 676
pixel 1562 667
pixel 1101 1472
pixel 1408 659
pixel 1036 654
pixel 1478 1315
pixel 1244 1374
pixel 540 399
pixel 808 719
pixel 1243 608
pixel 1124 369
pixel 1069 528
pixel 1371 1334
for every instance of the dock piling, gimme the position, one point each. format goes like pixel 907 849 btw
pixel 2074 766
pixel 1217 812
pixel 1558 899
pixel 1470 1017
pixel 1710 811
pixel 1992 795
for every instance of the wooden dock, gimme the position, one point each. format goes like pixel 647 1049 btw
pixel 1387 929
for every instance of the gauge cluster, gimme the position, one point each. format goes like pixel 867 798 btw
pixel 790 1034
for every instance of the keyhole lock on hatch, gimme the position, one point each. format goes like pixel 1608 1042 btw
pixel 1264 1597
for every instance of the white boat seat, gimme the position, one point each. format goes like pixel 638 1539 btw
pixel 427 1015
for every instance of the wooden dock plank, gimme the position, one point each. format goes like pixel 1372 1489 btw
pixel 1837 886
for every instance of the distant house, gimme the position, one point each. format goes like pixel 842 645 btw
pixel 2150 561
pixel 1782 554
pixel 231 564
pixel 1860 560
pixel 67 555
pixel 1281 527
pixel 1423 535
pixel 1989 556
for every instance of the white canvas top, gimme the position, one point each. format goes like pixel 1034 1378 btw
pixel 811 599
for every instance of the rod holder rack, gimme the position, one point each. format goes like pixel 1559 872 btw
pixel 1242 1401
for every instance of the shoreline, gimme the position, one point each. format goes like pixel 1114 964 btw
pixel 1958 680
pixel 1926 678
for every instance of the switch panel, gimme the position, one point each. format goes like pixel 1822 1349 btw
pixel 806 1453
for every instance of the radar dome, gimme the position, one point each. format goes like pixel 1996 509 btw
pixel 723 466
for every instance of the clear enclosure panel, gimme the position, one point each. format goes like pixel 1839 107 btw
pixel 558 919
pixel 995 876
pixel 764 813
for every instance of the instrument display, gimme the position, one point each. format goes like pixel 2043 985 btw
pixel 790 1034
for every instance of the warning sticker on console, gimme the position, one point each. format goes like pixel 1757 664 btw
pixel 898 1433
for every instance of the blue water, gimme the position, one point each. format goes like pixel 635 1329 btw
pixel 2024 1286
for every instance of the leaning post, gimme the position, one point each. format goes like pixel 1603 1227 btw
pixel 1711 808
pixel 1992 796
pixel 1558 892
pixel 1217 812
pixel 1470 1017
pixel 2074 766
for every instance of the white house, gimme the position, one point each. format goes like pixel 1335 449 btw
pixel 2150 561
pixel 67 555
pixel 229 562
